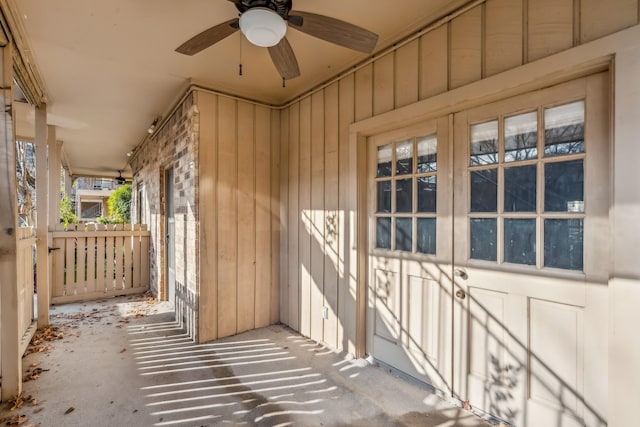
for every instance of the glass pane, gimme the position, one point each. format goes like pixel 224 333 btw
pixel 384 196
pixel 563 243
pixel 404 158
pixel 426 243
pixel 484 143
pixel 564 129
pixel 383 233
pixel 427 194
pixel 520 189
pixel 521 137
pixel 403 234
pixel 404 195
pixel 520 241
pixel 427 154
pixel 483 239
pixel 564 186
pixel 484 191
pixel 384 160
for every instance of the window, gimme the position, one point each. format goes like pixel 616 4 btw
pixel 526 188
pixel 406 190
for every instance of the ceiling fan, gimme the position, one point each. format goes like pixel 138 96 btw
pixel 264 24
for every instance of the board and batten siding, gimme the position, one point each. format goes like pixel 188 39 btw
pixel 316 246
pixel 239 181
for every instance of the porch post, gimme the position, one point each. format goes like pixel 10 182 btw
pixel 55 164
pixel 10 334
pixel 42 217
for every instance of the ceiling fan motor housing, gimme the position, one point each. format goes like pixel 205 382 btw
pixel 281 7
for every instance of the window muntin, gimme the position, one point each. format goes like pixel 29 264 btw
pixel 406 195
pixel 526 188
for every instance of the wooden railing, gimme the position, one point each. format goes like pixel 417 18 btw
pixel 98 261
pixel 26 283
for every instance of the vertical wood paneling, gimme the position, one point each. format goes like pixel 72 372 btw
pixel 119 243
pixel 407 59
pixel 304 214
pixel 346 302
pixel 91 265
pixel 503 35
pixel 285 225
pixel 317 215
pixel 100 248
pixel 331 196
pixel 383 84
pixel 550 27
pixel 246 217
pixel 364 93
pixel 599 18
pixel 466 48
pixel 127 263
pixel 433 62
pixel 227 217
pixel 275 201
pixel 294 217
pixel 207 181
pixel 262 255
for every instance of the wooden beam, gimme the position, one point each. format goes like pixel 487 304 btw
pixel 55 149
pixel 11 364
pixel 42 217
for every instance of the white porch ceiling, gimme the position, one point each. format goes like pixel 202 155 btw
pixel 110 66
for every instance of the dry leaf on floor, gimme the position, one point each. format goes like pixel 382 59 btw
pixel 70 410
pixel 123 350
pixel 466 405
pixel 37 410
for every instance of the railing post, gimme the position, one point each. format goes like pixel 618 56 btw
pixel 10 333
pixel 42 217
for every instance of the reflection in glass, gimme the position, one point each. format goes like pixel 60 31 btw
pixel 564 186
pixel 564 129
pixel 404 195
pixel 383 233
pixel 384 160
pixel 426 236
pixel 484 190
pixel 520 241
pixel 404 234
pixel 404 158
pixel 563 243
pixel 384 196
pixel 427 154
pixel 520 189
pixel 521 137
pixel 483 239
pixel 427 194
pixel 484 143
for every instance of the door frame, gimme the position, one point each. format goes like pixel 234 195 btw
pixel 163 282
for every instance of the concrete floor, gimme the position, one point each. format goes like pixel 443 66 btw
pixel 124 362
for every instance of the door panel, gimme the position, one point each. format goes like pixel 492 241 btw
pixel 529 173
pixel 170 241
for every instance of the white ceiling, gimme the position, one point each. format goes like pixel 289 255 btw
pixel 110 66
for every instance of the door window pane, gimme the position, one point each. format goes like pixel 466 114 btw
pixel 563 243
pixel 384 196
pixel 404 158
pixel 483 239
pixel 520 189
pixel 564 129
pixel 484 143
pixel 384 160
pixel 426 236
pixel 404 195
pixel 564 186
pixel 520 241
pixel 427 154
pixel 484 191
pixel 427 194
pixel 383 233
pixel 403 234
pixel 521 137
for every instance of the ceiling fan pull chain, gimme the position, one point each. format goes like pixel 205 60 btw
pixel 240 65
pixel 284 82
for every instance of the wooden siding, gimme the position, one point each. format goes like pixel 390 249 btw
pixel 495 36
pixel 239 211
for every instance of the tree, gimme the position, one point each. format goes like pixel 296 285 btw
pixel 67 216
pixel 120 205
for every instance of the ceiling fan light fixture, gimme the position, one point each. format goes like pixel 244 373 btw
pixel 262 26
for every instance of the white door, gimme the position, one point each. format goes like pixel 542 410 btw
pixel 170 239
pixel 409 258
pixel 531 255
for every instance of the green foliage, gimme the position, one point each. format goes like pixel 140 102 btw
pixel 67 216
pixel 104 220
pixel 120 205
